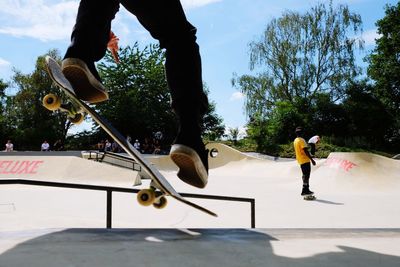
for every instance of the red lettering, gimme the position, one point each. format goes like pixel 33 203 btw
pixel 35 166
pixel 26 167
pixel 19 167
pixel 340 163
pixel 4 164
pixel 15 168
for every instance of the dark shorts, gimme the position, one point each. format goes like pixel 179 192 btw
pixel 306 169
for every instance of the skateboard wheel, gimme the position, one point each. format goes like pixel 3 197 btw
pixel 77 119
pixel 146 197
pixel 160 203
pixel 214 153
pixel 51 102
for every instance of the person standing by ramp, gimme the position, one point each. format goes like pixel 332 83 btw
pixel 304 159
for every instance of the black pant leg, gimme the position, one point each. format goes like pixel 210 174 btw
pixel 312 145
pixel 306 170
pixel 166 22
pixel 90 34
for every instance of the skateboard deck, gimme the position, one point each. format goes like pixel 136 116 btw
pixel 145 197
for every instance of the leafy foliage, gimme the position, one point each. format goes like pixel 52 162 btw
pixel 301 56
pixel 139 102
pixel 307 64
pixel 139 97
pixel 384 66
pixel 27 120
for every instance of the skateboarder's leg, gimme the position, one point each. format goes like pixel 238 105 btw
pixel 166 22
pixel 306 170
pixel 312 151
pixel 89 40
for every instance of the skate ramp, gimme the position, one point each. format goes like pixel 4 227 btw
pixel 162 162
pixel 65 169
pixel 359 172
pixel 226 154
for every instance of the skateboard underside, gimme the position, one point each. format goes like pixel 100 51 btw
pixel 76 111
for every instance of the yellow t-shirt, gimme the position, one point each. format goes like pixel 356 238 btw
pixel 299 143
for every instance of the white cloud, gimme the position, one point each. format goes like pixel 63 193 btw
pixel 5 68
pixel 370 36
pixel 41 19
pixel 4 63
pixel 236 96
pixel 189 4
pixel 50 20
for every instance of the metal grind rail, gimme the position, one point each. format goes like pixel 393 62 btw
pixel 107 157
pixel 109 190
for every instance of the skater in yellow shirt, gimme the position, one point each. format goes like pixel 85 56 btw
pixel 304 158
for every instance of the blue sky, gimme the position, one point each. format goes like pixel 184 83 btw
pixel 29 28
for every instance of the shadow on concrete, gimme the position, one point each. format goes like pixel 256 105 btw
pixel 173 247
pixel 328 202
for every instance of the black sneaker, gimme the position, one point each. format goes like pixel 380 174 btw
pixel 84 80
pixel 306 191
pixel 192 164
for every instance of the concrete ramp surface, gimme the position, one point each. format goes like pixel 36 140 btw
pixel 359 172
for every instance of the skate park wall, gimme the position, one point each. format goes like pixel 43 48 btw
pixel 65 169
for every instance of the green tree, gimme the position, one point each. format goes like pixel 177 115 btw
pixel 139 99
pixel 329 118
pixel 384 66
pixel 303 55
pixel 234 134
pixel 368 117
pixel 212 127
pixel 31 122
pixel 299 57
pixel 139 102
pixel 3 87
pixel 4 131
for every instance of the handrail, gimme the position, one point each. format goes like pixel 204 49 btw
pixel 110 189
pixel 104 155
pixel 97 155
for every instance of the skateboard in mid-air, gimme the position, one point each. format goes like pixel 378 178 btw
pixel 76 110
pixel 309 197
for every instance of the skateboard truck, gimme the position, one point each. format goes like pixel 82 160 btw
pixel 152 196
pixel 53 102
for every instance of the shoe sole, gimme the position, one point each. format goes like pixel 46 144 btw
pixel 191 168
pixel 82 82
